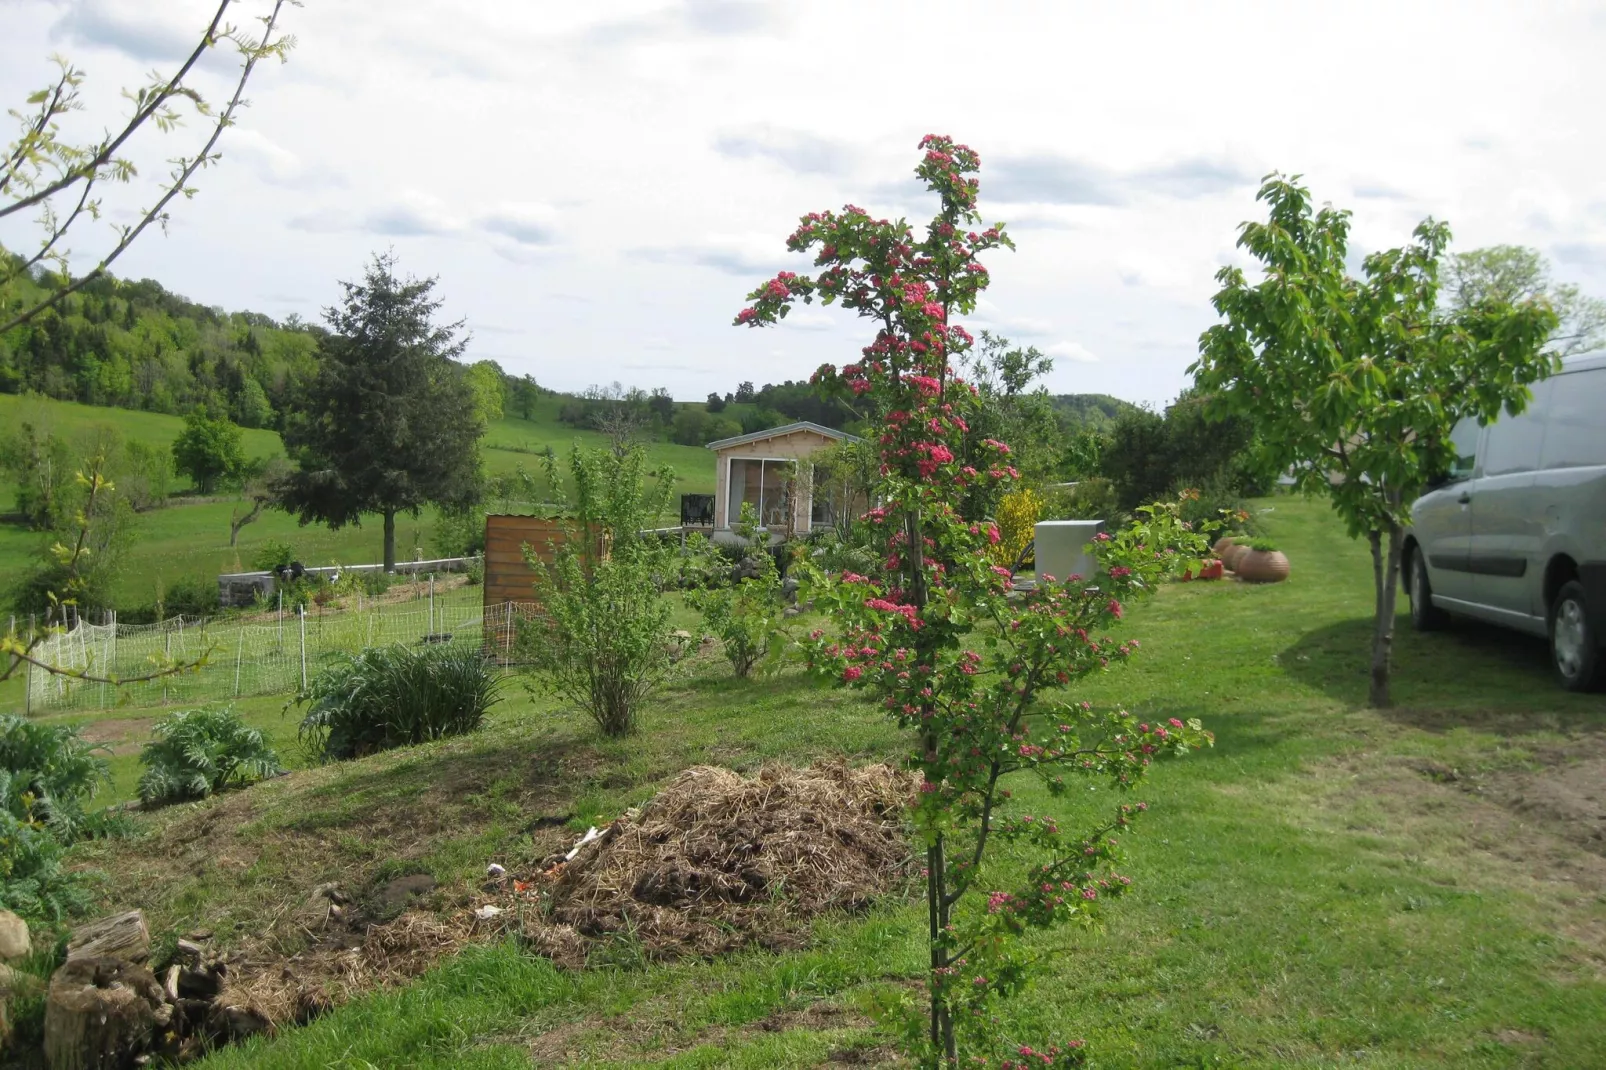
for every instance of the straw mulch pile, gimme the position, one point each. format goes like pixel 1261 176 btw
pixel 717 860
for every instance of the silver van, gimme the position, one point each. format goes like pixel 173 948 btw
pixel 1516 533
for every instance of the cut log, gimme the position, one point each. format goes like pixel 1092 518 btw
pixel 101 1014
pixel 121 936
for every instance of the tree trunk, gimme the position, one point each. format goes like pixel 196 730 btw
pixel 390 540
pixel 1386 577
pixel 101 1014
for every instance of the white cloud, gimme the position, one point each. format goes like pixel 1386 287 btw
pixel 1072 351
pixel 601 176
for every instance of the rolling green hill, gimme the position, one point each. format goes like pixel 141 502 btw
pixel 190 537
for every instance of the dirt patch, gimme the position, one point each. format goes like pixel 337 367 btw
pixel 122 735
pixel 717 860
pixel 626 1038
pixel 1567 798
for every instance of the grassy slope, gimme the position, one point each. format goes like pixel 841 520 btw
pixel 192 538
pixel 1304 897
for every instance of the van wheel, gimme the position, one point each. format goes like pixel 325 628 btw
pixel 1425 616
pixel 1574 647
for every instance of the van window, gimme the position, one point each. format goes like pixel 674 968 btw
pixel 1464 440
pixel 1576 432
pixel 1513 441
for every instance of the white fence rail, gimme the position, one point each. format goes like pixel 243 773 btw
pixel 273 654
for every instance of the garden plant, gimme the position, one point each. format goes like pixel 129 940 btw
pixel 197 753
pixel 747 615
pixel 978 677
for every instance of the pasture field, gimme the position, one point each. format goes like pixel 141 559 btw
pixel 190 538
pixel 1330 886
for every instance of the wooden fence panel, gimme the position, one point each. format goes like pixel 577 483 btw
pixel 509 592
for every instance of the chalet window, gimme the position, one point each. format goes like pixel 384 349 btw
pixel 761 482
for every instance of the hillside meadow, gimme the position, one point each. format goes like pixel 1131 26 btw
pixel 1423 886
pixel 190 538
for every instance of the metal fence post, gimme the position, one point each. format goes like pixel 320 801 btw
pixel 27 701
pixel 239 648
pixel 303 647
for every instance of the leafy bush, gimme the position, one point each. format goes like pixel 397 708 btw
pixel 396 696
pixel 47 773
pixel 475 572
pixel 1091 499
pixel 604 640
pixel 1262 546
pixel 273 554
pixel 199 752
pixel 747 615
pixel 1018 514
pixel 833 552
pixel 191 596
pixel 33 883
pixel 1217 501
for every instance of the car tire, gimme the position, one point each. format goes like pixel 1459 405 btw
pixel 1574 646
pixel 1425 616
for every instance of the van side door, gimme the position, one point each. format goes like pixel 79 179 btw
pixel 1508 517
pixel 1442 520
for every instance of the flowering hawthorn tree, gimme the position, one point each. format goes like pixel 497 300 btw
pixel 934 633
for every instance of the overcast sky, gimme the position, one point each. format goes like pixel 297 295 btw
pixel 597 185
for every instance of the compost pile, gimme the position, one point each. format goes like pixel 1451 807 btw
pixel 717 860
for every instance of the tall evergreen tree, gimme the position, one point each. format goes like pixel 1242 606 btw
pixel 390 425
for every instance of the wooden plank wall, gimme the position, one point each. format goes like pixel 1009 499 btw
pixel 508 577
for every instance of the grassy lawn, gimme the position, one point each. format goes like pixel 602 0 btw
pixel 191 538
pixel 1330 886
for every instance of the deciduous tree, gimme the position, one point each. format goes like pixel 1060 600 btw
pixel 1357 382
pixel 932 634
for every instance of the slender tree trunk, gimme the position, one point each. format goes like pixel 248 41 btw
pixel 390 540
pixel 1386 578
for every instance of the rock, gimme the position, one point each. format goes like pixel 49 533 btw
pixel 331 891
pixel 121 936
pixel 200 984
pixel 101 1013
pixel 392 898
pixel 14 940
pixel 237 1023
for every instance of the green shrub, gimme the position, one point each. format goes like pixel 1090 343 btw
pixel 475 572
pixel 273 554
pixel 395 696
pixel 199 752
pixel 1091 499
pixel 1215 500
pixel 1264 546
pixel 191 596
pixel 33 882
pixel 47 773
pixel 604 641
pixel 747 615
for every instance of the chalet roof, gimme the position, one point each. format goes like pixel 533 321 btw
pixel 779 432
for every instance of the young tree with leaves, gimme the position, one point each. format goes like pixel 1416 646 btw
pixel 933 634
pixel 390 425
pixel 59 181
pixel 210 450
pixel 603 638
pixel 1357 382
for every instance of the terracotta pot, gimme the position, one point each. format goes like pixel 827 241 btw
pixel 1230 556
pixel 1262 566
pixel 1220 548
pixel 1211 570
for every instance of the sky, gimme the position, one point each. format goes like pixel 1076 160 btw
pixel 597 186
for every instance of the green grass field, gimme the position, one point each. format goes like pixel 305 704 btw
pixel 1330 886
pixel 191 539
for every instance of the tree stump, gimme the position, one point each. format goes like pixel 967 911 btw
pixel 121 936
pixel 102 1014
